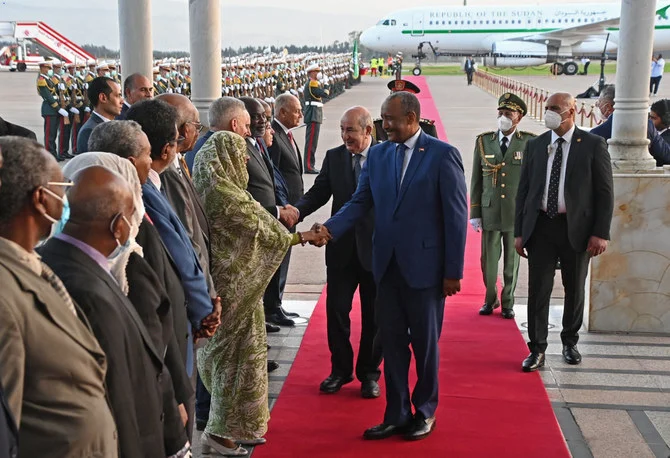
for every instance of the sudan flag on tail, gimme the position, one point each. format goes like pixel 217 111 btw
pixel 354 60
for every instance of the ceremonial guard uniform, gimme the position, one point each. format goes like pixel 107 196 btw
pixel 47 89
pixel 79 99
pixel 496 172
pixel 62 81
pixel 313 116
pixel 427 125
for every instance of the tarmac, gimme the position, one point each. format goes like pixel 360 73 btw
pixel 616 404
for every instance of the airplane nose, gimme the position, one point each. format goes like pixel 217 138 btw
pixel 368 38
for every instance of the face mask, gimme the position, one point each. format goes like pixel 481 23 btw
pixel 553 120
pixel 107 74
pixel 119 248
pixel 113 72
pixel 598 113
pixel 50 72
pixel 319 76
pixel 504 123
pixel 77 74
pixel 61 72
pixel 185 72
pixel 57 225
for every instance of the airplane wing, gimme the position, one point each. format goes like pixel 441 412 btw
pixel 572 35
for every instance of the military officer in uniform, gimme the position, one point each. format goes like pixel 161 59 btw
pixel 313 114
pixel 396 85
pixel 63 82
pixel 495 178
pixel 51 109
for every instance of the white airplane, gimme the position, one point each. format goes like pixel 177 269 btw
pixel 510 35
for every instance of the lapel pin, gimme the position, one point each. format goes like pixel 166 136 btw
pixel 579 140
pixel 420 149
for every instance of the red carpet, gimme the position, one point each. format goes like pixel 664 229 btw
pixel 488 407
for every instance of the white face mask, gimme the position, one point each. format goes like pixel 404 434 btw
pixel 504 123
pixel 553 120
pixel 119 248
pixel 319 76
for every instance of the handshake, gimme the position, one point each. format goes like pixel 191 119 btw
pixel 319 235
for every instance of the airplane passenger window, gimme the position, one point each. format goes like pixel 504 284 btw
pixel 443 22
pixel 449 22
pixel 468 22
pixel 579 20
pixel 487 21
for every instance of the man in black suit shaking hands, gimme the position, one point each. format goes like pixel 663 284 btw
pixel 349 259
pixel 563 210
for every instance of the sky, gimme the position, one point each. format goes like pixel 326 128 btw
pixel 244 22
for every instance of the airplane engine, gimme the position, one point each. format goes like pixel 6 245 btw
pixel 519 53
pixel 593 47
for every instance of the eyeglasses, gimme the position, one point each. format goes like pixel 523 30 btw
pixel 65 184
pixel 197 125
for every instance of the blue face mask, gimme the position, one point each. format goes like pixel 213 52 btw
pixel 77 74
pixel 107 74
pixel 50 72
pixel 120 249
pixel 114 73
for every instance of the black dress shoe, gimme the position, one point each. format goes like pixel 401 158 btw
pixel 421 428
pixel 507 313
pixel 571 354
pixel 289 314
pixel 370 389
pixel 272 365
pixel 488 309
pixel 333 383
pixel 384 430
pixel 312 172
pixel 279 319
pixel 533 362
pixel 269 327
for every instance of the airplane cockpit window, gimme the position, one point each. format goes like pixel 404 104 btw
pixel 393 22
pixel 383 22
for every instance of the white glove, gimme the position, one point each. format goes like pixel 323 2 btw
pixel 63 113
pixel 87 109
pixel 293 91
pixel 73 110
pixel 476 224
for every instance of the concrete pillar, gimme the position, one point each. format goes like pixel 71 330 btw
pixel 629 145
pixel 135 37
pixel 205 41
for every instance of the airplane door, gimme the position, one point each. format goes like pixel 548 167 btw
pixel 417 25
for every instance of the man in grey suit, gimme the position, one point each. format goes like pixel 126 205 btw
pixel 107 100
pixel 58 402
pixel 564 209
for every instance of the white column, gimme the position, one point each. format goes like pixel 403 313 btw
pixel 629 145
pixel 205 41
pixel 135 37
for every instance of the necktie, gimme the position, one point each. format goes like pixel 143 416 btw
pixel 58 285
pixel 503 145
pixel 399 160
pixel 357 166
pixel 184 167
pixel 554 180
pixel 293 145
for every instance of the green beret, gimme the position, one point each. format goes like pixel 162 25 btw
pixel 512 102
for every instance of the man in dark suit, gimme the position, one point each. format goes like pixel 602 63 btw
pixel 563 210
pixel 7 128
pixel 286 157
pixel 469 68
pixel 101 204
pixel 416 185
pixel 349 259
pixel 105 96
pixel 136 88
pixel 659 114
pixel 658 148
pixel 69 415
pixel 158 121
pixel 262 185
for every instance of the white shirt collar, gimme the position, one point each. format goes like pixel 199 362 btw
pixel 286 129
pixel 567 136
pixel 411 142
pixel 509 137
pixel 155 178
pixel 101 116
pixel 127 104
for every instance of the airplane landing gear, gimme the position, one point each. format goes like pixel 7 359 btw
pixel 556 68
pixel 416 71
pixel 570 68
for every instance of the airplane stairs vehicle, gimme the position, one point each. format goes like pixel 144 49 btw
pixel 33 35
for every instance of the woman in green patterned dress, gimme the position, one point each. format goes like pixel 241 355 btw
pixel 248 244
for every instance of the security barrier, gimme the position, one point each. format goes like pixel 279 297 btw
pixel 534 97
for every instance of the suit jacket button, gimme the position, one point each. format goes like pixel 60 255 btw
pixel 503 185
pixel 503 196
pixel 503 174
pixel 503 164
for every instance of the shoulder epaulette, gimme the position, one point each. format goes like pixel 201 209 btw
pixel 41 81
pixel 429 121
pixel 487 133
pixel 313 84
pixel 527 133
